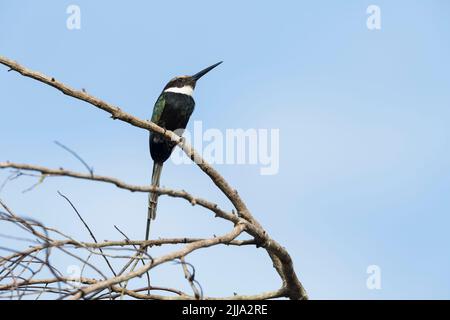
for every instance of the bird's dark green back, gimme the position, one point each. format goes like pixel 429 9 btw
pixel 172 112
pixel 158 108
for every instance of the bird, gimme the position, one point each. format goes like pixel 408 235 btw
pixel 172 111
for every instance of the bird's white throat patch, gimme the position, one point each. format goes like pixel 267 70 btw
pixel 187 90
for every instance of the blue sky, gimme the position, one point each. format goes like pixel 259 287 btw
pixel 363 118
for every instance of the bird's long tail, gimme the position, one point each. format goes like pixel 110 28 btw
pixel 153 197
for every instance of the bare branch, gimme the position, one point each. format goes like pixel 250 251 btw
pixel 122 185
pixel 89 168
pixel 89 230
pixel 169 257
pixel 190 277
pixel 243 221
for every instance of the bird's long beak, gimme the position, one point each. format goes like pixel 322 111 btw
pixel 205 71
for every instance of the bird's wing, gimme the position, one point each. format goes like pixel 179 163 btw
pixel 158 109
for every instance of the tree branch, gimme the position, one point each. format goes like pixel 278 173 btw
pixel 280 257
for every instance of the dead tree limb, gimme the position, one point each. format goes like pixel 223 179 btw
pixel 243 222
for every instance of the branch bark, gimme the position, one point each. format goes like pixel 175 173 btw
pixel 281 259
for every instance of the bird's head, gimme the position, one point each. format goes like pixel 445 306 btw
pixel 186 84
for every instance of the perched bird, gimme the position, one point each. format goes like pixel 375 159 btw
pixel 172 111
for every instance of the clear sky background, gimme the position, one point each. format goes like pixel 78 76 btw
pixel 363 118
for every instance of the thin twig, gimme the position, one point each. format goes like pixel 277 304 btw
pixel 89 230
pixel 190 277
pixel 89 168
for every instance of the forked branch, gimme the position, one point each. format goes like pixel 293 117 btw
pixel 244 221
